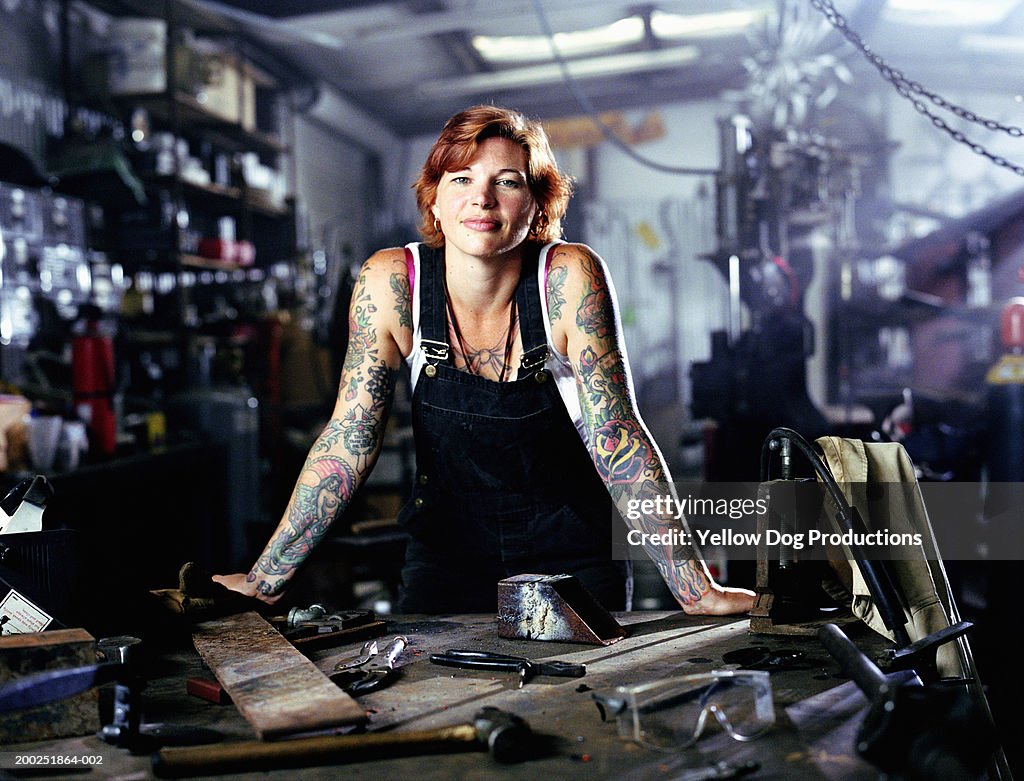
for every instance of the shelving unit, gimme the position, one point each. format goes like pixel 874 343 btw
pixel 245 113
pixel 213 247
pixel 197 148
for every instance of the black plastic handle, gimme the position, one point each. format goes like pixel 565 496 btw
pixel 488 660
pixel 480 660
pixel 561 669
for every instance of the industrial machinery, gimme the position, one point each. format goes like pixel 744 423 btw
pixel 774 188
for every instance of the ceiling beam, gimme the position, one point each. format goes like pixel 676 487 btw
pixel 337 112
pixel 283 9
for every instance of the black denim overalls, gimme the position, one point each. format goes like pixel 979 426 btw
pixel 504 484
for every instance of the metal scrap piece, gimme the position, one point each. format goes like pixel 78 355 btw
pixel 553 607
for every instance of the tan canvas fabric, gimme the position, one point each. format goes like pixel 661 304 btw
pixel 855 466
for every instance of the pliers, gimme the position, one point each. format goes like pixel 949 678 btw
pixel 371 670
pixel 489 660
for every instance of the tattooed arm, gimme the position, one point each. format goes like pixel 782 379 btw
pixel 346 450
pixel 584 320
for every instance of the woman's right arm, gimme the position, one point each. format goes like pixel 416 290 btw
pixel 344 453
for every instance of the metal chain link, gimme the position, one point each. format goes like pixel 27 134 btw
pixel 913 91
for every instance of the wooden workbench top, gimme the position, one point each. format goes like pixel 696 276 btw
pixel 817 711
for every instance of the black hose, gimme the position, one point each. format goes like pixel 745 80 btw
pixel 877 577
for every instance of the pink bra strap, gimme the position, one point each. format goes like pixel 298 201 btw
pixel 410 266
pixel 547 268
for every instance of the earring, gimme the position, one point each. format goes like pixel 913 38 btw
pixel 437 225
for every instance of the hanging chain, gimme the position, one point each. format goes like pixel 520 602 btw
pixel 917 94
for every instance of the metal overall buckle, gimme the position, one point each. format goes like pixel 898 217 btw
pixel 434 351
pixel 534 358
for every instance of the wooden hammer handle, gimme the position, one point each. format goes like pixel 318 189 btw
pixel 188 761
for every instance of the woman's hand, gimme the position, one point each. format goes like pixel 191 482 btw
pixel 722 601
pixel 240 583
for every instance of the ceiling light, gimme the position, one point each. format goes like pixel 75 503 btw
pixel 936 13
pixel 992 44
pixel 668 26
pixel 536 48
pixel 551 73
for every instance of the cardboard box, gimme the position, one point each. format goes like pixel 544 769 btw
pixel 229 91
pixel 137 64
pixel 13 437
pixel 137 56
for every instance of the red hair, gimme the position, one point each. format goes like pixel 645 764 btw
pixel 457 145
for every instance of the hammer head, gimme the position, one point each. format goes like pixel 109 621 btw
pixel 506 735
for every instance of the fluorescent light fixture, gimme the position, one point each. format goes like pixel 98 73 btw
pixel 551 73
pixel 938 13
pixel 536 48
pixel 985 43
pixel 673 26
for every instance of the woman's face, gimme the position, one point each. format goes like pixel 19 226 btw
pixel 486 208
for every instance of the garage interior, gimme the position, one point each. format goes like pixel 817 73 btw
pixel 812 210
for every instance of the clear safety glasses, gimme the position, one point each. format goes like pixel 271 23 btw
pixel 673 712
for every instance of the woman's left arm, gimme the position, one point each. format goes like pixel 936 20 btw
pixel 583 312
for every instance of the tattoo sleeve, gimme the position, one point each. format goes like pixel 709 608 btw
pixel 344 452
pixel 555 291
pixel 623 451
pixel 403 299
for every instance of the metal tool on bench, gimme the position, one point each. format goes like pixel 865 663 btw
pixel 372 669
pixel 53 685
pixel 322 619
pixel 122 666
pixel 553 607
pixel 507 738
pixel 526 668
pixel 321 626
pixel 369 650
pixel 920 656
pixel 919 732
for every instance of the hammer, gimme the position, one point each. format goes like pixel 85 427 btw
pixel 505 735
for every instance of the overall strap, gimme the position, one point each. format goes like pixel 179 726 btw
pixel 433 311
pixel 531 317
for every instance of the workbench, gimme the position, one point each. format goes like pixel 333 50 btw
pixel 817 709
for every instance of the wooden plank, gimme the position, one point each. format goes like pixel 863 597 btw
pixel 35 652
pixel 274 686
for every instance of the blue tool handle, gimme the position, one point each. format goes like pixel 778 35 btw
pixel 45 687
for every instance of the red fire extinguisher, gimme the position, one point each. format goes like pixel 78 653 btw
pixel 92 372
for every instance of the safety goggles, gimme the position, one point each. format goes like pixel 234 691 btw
pixel 672 713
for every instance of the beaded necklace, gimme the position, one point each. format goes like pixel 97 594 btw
pixel 509 338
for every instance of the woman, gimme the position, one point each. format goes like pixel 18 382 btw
pixel 524 421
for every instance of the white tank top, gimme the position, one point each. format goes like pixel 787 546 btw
pixel 557 363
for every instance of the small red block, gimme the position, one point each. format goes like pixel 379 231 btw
pixel 208 690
